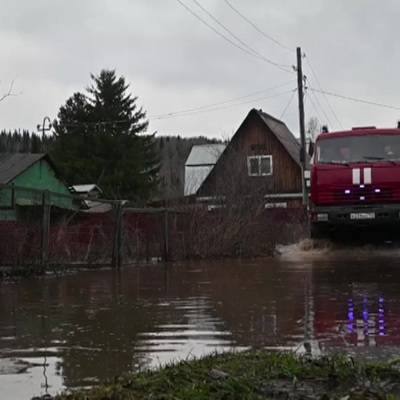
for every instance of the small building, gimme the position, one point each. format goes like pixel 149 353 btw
pixel 25 178
pixel 91 191
pixel 262 159
pixel 200 162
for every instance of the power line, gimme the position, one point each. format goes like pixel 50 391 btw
pixel 225 107
pixel 191 111
pixel 216 31
pixel 257 28
pixel 97 123
pixel 229 31
pixel 355 99
pixel 328 120
pixel 288 104
pixel 314 107
pixel 188 110
pixel 325 97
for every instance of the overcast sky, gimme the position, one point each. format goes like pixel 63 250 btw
pixel 174 62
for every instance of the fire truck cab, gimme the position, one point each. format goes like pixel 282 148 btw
pixel 355 180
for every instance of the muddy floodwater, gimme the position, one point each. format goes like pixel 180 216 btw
pixel 75 330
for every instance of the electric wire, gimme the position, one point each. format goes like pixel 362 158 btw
pixel 229 31
pixel 226 38
pixel 324 95
pixel 355 99
pixel 318 113
pixel 259 30
pixel 199 108
pixel 327 119
pixel 288 104
pixel 97 123
pixel 226 106
pixel 189 112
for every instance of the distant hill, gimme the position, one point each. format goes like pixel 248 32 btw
pixel 173 151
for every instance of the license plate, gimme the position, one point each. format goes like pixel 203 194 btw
pixel 362 215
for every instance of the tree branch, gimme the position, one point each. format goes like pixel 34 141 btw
pixel 9 93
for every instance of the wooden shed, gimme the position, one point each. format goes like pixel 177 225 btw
pixel 24 178
pixel 262 159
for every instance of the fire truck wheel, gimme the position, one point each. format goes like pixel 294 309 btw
pixel 318 232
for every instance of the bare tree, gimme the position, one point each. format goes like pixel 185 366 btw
pixel 9 93
pixel 313 128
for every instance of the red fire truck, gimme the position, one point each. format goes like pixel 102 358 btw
pixel 355 180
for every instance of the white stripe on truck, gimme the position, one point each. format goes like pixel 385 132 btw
pixel 356 176
pixel 367 176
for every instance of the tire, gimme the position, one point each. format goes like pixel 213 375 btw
pixel 318 232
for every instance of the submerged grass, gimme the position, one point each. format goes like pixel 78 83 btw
pixel 253 375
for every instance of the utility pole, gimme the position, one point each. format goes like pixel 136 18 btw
pixel 303 150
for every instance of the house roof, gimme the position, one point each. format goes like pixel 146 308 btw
pixel 205 154
pixel 199 163
pixel 92 206
pixel 85 188
pixel 282 133
pixel 14 164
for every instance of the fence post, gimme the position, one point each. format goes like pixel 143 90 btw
pixel 45 231
pixel 13 196
pixel 165 237
pixel 117 245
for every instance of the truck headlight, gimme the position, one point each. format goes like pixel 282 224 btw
pixel 322 217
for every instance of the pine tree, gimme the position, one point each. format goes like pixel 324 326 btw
pixel 35 143
pixel 99 139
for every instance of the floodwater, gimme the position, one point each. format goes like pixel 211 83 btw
pixel 75 330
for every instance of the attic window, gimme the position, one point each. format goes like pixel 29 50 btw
pixel 259 165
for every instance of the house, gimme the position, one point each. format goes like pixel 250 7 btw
pixel 200 162
pixel 24 180
pixel 262 159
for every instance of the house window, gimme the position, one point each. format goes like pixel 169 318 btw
pixel 259 165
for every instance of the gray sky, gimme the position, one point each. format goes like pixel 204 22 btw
pixel 173 62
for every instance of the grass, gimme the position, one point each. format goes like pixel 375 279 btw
pixel 253 375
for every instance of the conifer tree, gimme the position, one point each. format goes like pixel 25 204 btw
pixel 99 138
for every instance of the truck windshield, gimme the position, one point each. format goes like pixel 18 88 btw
pixel 358 148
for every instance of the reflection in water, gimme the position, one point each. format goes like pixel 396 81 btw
pixel 381 317
pixel 80 329
pixel 370 325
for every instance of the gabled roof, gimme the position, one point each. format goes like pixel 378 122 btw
pixel 85 188
pixel 205 154
pixel 276 127
pixel 282 133
pixel 14 164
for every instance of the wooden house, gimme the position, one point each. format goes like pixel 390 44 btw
pixel 24 179
pixel 262 160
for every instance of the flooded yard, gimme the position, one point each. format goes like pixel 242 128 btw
pixel 75 330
